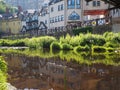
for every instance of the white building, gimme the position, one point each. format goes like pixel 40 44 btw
pixel 115 15
pixel 60 13
pixel 94 9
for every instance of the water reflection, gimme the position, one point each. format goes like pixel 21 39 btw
pixel 55 74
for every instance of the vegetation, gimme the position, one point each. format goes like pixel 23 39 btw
pixel 73 56
pixel 81 42
pixel 3 71
pixel 4 6
pixel 76 31
pixel 40 42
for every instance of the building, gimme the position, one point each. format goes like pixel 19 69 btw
pixel 66 14
pixel 10 26
pixel 94 9
pixel 115 15
pixel 61 13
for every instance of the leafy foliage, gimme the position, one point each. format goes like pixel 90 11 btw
pixel 77 31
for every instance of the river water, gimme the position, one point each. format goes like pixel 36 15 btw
pixel 51 72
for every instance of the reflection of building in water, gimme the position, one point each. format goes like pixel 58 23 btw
pixel 54 73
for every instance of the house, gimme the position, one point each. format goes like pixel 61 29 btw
pixel 10 25
pixel 66 14
pixel 61 13
pixel 94 9
pixel 115 15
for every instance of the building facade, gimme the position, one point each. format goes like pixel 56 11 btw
pixel 115 16
pixel 94 9
pixel 61 13
pixel 11 26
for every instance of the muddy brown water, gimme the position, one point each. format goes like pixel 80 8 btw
pixel 37 73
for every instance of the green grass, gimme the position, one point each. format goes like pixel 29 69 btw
pixel 3 77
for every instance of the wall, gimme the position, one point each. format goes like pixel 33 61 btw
pixel 12 26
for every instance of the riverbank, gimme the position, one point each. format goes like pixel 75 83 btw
pixel 108 42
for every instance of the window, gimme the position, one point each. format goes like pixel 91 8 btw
pixel 52 9
pixel 53 20
pixel 74 16
pixel 87 3
pixel 58 7
pixel 98 3
pixel 50 20
pixel 77 3
pixel 71 4
pixel 56 19
pixel 62 18
pixel 45 21
pixel 62 7
pixel 94 3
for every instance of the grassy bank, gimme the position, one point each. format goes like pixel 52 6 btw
pixel 108 42
pixel 3 77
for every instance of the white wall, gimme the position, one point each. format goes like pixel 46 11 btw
pixel 56 13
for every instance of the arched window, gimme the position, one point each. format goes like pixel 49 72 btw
pixel 74 16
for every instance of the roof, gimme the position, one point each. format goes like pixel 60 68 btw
pixel 54 1
pixel 115 3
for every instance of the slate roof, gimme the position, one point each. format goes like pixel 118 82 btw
pixel 54 1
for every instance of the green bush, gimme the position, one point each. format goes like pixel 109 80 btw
pixel 40 42
pixel 3 80
pixel 66 46
pixel 55 46
pixel 3 65
pixel 76 31
pixel 110 49
pixel 98 49
pixel 46 41
pixel 3 71
pixel 82 48
pixel 17 43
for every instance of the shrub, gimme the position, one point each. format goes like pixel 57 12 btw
pixel 45 41
pixel 3 71
pixel 66 46
pixel 110 49
pixel 98 49
pixel 3 65
pixel 55 46
pixel 4 43
pixel 76 31
pixel 17 43
pixel 82 48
